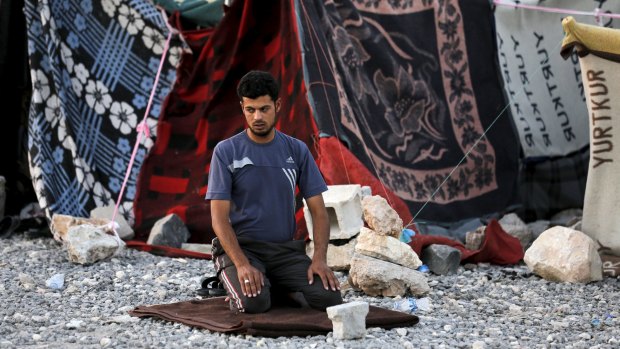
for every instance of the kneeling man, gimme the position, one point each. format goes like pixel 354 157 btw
pixel 252 183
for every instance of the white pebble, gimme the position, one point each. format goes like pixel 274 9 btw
pixel 18 317
pixel 120 274
pixel 478 345
pixel 74 324
pixel 401 331
pixel 585 336
pixel 105 341
pixel 36 337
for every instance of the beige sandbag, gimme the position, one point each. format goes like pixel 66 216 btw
pixel 599 51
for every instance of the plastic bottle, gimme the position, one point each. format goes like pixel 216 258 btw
pixel 56 282
pixel 423 268
pixel 411 305
pixel 405 235
pixel 407 305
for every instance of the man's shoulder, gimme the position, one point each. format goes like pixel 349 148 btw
pixel 230 142
pixel 297 144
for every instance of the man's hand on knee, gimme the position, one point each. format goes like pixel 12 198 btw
pixel 251 280
pixel 325 273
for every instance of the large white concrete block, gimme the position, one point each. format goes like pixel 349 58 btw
pixel 344 207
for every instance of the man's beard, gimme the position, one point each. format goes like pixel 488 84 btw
pixel 261 133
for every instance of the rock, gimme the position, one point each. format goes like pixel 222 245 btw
pixel 348 319
pixel 62 223
pixel 441 259
pixel 386 248
pixel 562 254
pixel 538 227
pixel 74 324
pixel 338 256
pixel 105 342
pixel 380 217
pixel 380 278
pixel 478 345
pixel 344 208
pixel 513 225
pixel 169 231
pixel 121 319
pixel 458 231
pixel 26 281
pixel 566 218
pixel 474 239
pixel 124 231
pixel 88 244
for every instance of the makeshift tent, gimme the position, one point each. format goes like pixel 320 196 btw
pixel 404 96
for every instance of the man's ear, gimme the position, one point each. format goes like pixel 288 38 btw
pixel 241 104
pixel 278 104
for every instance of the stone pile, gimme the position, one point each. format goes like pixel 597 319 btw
pixel 382 264
pixel 378 262
pixel 87 240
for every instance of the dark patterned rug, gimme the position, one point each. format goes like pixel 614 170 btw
pixel 410 87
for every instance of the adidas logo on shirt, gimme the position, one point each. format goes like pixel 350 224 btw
pixel 290 160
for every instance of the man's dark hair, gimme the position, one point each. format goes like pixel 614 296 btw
pixel 258 83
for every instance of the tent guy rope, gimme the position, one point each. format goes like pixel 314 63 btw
pixel 596 13
pixel 142 127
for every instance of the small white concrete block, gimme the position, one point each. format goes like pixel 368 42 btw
pixel 344 207
pixel 349 320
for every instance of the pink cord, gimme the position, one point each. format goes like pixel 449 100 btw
pixel 142 126
pixel 596 13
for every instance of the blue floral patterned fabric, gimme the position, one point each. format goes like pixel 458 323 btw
pixel 93 65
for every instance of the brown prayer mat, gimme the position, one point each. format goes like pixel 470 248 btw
pixel 213 314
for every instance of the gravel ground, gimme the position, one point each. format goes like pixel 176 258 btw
pixel 483 306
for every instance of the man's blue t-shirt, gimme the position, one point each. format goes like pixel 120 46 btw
pixel 259 180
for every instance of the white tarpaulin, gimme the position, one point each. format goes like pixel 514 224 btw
pixel 545 91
